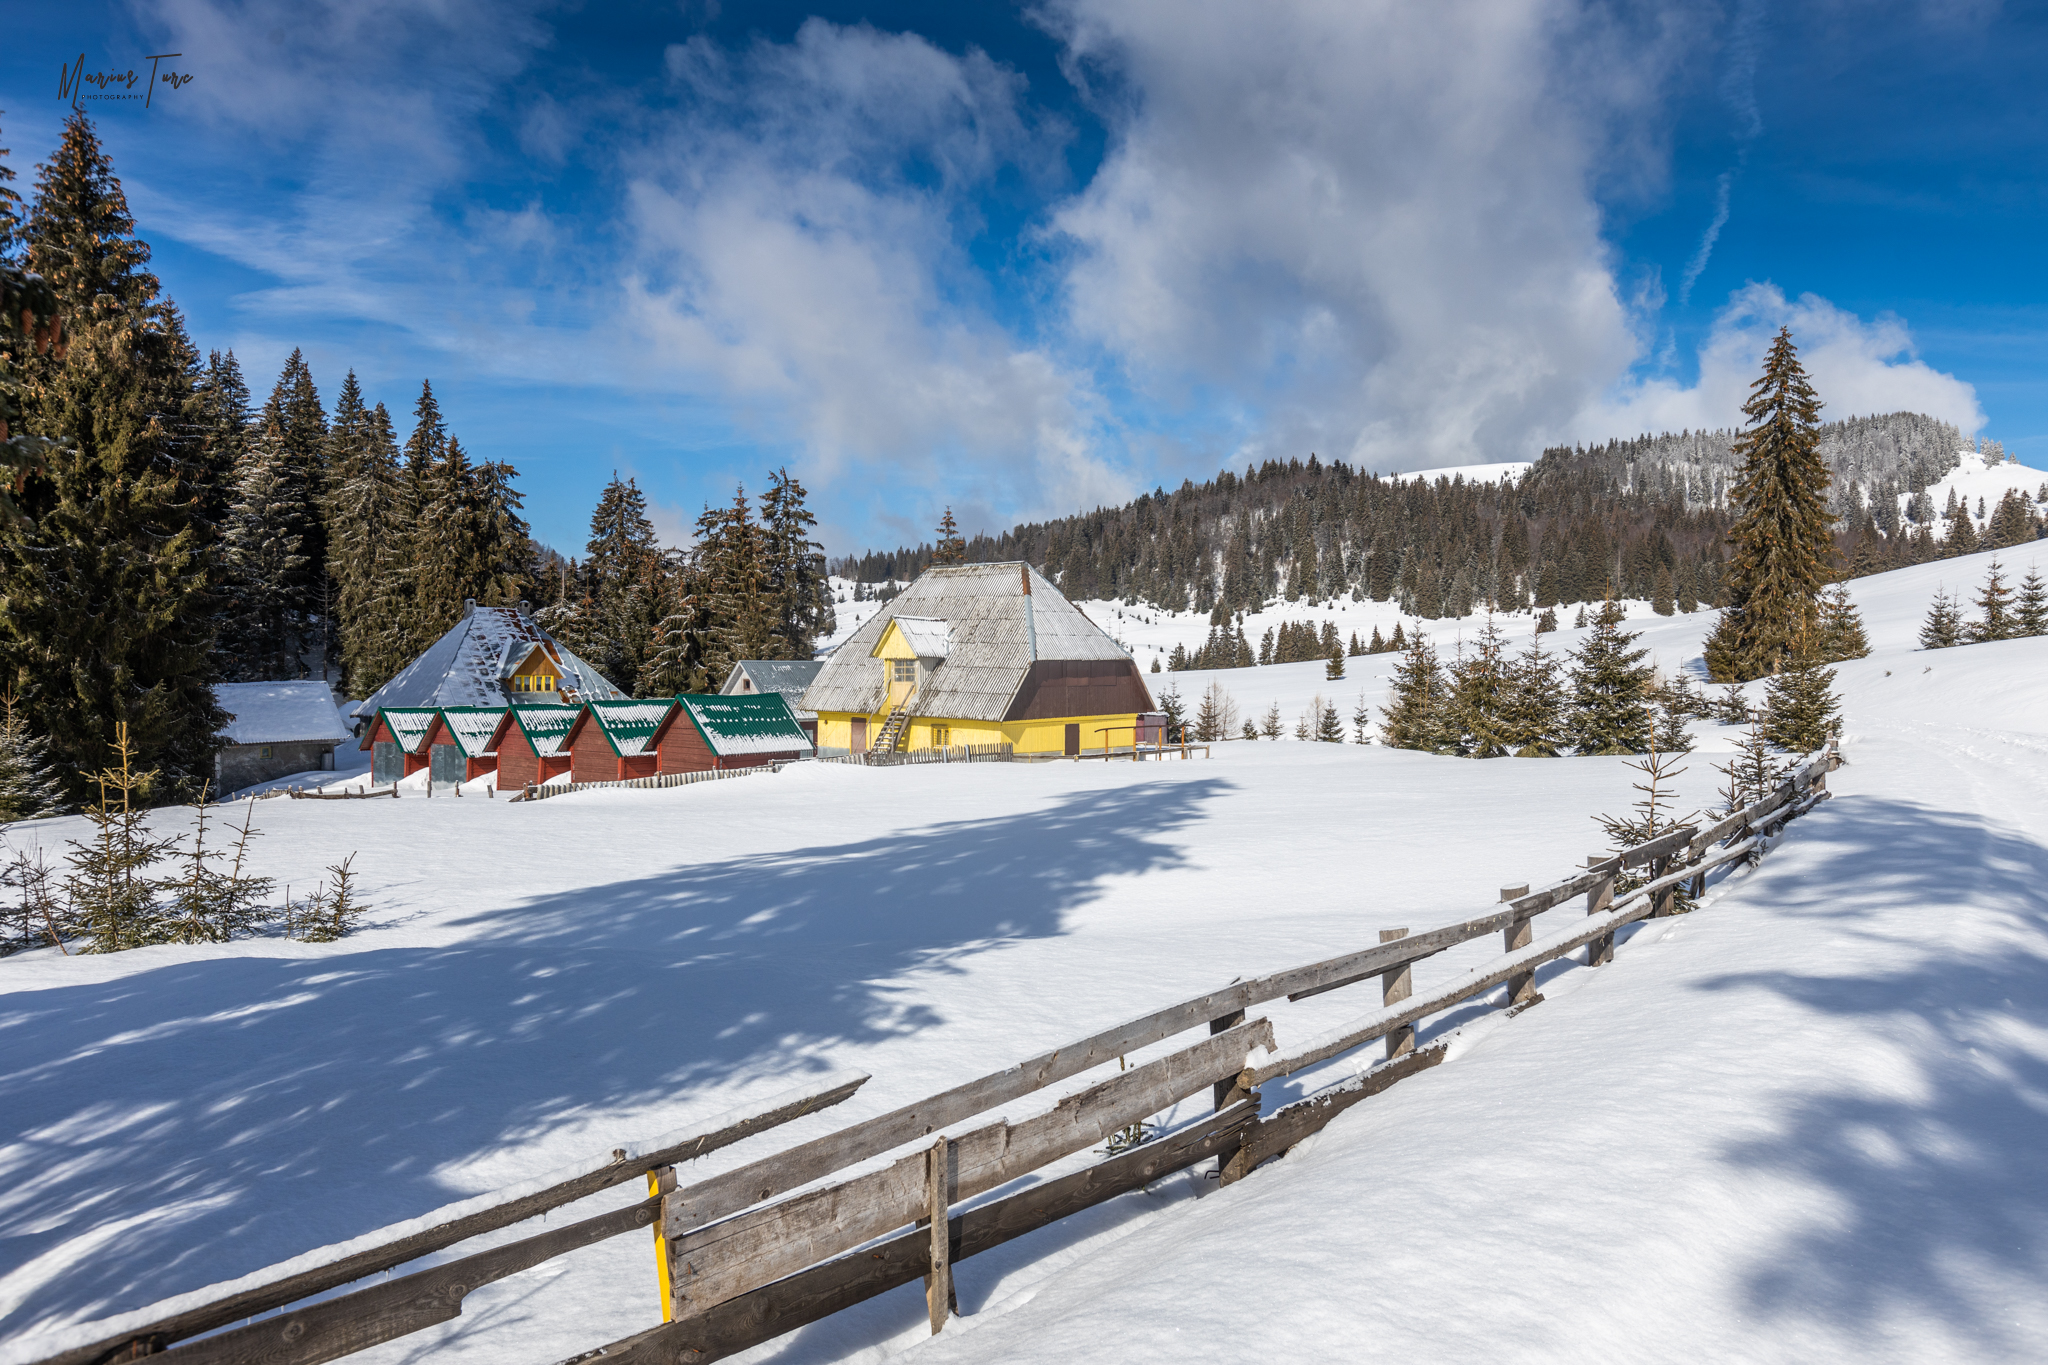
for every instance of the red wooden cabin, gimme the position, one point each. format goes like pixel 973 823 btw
pixel 734 730
pixel 528 742
pixel 609 741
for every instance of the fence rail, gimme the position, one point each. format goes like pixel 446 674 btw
pixel 751 1253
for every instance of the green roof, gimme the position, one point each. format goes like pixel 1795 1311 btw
pixel 629 725
pixel 546 725
pixel 408 724
pixel 744 723
pixel 471 727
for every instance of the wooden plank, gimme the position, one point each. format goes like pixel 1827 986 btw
pixel 1636 905
pixel 1226 1090
pixel 1660 847
pixel 1397 985
pixel 1271 1137
pixel 337 1327
pixel 1599 899
pixel 729 1258
pixel 267 1294
pixel 1352 968
pixel 782 1307
pixel 938 1280
pixel 1514 938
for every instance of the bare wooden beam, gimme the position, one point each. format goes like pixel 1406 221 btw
pixel 1395 986
pixel 938 1280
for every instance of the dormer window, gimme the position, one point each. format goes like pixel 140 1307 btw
pixel 903 670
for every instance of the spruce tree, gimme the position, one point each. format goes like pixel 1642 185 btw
pixel 28 788
pixel 219 414
pixel 263 559
pixel 2030 608
pixel 1482 688
pixel 1943 628
pixel 205 904
pixel 1962 533
pixel 1783 535
pixel 1329 728
pixel 298 424
pixel 1994 599
pixel 109 616
pixel 1841 627
pixel 362 461
pixel 951 548
pixel 1671 737
pixel 797 582
pixel 112 896
pixel 1799 708
pixel 1535 704
pixel 1418 714
pixel 1333 667
pixel 1270 724
pixel 1610 687
pixel 1751 771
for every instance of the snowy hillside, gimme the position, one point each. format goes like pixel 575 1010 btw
pixel 1802 1124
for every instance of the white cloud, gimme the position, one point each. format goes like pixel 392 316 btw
pixel 800 245
pixel 1857 368
pixel 1371 224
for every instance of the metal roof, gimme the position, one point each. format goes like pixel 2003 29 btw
pixel 468 666
pixel 471 727
pixel 996 629
pixel 928 637
pixel 545 726
pixel 788 676
pixel 745 723
pixel 279 712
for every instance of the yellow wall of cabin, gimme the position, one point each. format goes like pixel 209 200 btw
pixel 835 731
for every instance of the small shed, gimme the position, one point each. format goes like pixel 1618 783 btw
pixel 790 677
pixel 459 742
pixel 529 744
pixel 611 740
pixel 275 729
pixel 396 739
pixel 722 731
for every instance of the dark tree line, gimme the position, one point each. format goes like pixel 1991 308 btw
pixel 1647 519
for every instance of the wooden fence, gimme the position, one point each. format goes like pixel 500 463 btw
pixel 541 791
pixel 748 1254
pixel 940 753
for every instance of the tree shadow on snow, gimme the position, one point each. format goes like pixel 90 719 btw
pixel 184 1125
pixel 1936 1170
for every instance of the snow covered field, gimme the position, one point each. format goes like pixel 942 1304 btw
pixel 1802 1124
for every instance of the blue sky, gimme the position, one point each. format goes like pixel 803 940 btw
pixel 1025 260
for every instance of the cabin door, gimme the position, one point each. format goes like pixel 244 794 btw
pixel 1073 741
pixel 387 762
pixel 860 734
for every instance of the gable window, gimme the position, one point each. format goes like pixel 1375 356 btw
pixel 905 670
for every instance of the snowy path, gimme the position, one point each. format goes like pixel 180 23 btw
pixel 1802 1124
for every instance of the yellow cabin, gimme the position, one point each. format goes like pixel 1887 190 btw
pixel 980 654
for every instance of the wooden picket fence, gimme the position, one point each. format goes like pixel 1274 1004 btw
pixel 939 753
pixel 541 791
pixel 751 1253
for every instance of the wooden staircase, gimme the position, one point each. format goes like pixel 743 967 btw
pixel 892 730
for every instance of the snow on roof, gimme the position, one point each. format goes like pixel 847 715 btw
pixel 996 630
pixel 629 725
pixel 471 727
pixel 747 723
pixel 545 726
pixel 927 636
pixel 408 725
pixel 468 665
pixel 788 676
pixel 279 712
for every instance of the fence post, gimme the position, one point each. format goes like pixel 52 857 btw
pixel 1395 986
pixel 938 1184
pixel 1600 951
pixel 1227 1091
pixel 661 1183
pixel 1518 935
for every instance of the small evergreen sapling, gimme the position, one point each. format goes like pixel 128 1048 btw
pixel 206 905
pixel 36 919
pixel 1841 628
pixel 1650 815
pixel 112 897
pixel 1361 721
pixel 1732 708
pixel 1799 708
pixel 1609 684
pixel 1333 670
pixel 1251 731
pixel 1943 628
pixel 1270 726
pixel 1329 728
pixel 2030 608
pixel 1751 772
pixel 1995 600
pixel 28 789
pixel 1672 736
pixel 334 910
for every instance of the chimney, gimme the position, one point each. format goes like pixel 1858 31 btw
pixel 524 608
pixel 468 607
